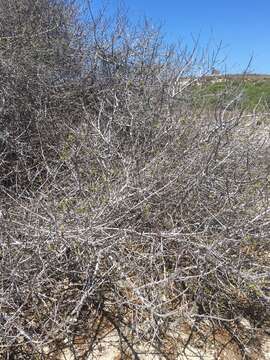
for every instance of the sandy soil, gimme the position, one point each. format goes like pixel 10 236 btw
pixel 222 348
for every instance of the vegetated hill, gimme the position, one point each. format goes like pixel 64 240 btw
pixel 243 76
pixel 252 90
pixel 126 206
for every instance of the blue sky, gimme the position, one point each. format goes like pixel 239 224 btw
pixel 242 26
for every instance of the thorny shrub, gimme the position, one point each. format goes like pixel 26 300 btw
pixel 122 203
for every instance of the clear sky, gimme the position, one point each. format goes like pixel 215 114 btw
pixel 243 26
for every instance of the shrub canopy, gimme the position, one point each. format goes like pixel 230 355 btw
pixel 125 204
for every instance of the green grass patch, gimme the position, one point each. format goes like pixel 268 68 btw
pixel 250 94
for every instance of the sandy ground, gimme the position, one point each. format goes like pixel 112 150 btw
pixel 222 349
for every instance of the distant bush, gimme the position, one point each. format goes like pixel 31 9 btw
pixel 124 204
